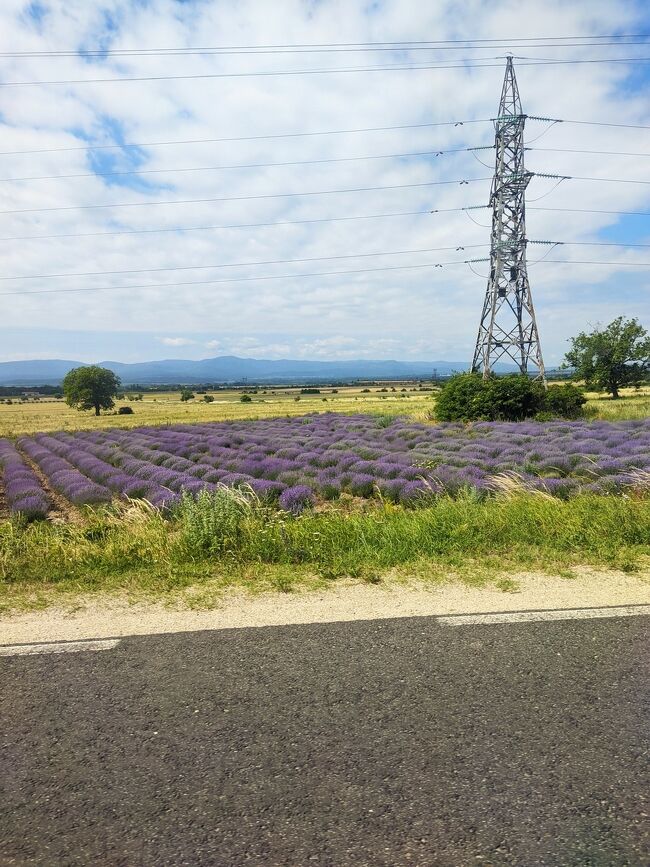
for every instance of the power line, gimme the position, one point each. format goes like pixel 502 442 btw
pixel 581 151
pixel 460 181
pixel 405 155
pixel 240 166
pixel 239 264
pixel 592 211
pixel 259 74
pixel 307 259
pixel 239 279
pixel 466 63
pixel 324 48
pixel 389 215
pixel 394 42
pixel 300 276
pixel 592 262
pixel 242 198
pixel 604 180
pixel 593 122
pixel 210 228
pixel 150 144
pixel 589 244
pixel 126 145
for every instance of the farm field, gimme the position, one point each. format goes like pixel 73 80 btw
pixel 299 462
pixel 302 500
pixel 48 414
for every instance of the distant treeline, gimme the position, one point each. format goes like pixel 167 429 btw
pixel 307 387
pixel 20 390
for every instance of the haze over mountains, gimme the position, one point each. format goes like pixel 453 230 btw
pixel 230 369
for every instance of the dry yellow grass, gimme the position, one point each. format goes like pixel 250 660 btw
pixel 633 404
pixel 167 408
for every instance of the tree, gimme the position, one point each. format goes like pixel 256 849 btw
pixel 186 394
pixel 610 358
pixel 91 387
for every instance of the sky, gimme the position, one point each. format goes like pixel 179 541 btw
pixel 271 261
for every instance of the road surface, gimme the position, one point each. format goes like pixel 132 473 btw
pixel 413 741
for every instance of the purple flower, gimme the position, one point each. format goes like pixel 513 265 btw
pixel 296 499
pixel 32 506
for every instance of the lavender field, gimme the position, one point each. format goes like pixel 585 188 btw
pixel 296 462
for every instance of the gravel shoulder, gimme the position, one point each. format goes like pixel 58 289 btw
pixel 93 617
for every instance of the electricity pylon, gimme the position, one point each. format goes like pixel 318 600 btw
pixel 508 329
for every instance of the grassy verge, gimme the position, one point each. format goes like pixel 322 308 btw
pixel 224 540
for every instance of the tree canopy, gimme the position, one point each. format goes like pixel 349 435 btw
pixel 91 387
pixel 609 358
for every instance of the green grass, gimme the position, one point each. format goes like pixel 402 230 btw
pixel 223 541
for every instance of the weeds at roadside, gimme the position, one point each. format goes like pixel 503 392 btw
pixel 230 540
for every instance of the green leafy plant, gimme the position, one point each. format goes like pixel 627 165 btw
pixel 564 401
pixel 607 359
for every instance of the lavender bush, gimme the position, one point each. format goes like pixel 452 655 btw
pixel 293 461
pixel 23 490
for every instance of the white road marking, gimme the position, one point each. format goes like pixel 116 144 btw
pixel 532 616
pixel 58 647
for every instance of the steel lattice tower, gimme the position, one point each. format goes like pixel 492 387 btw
pixel 508 329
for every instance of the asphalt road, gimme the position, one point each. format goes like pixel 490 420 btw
pixel 394 742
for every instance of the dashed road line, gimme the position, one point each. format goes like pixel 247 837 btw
pixel 536 616
pixel 58 647
pixel 485 618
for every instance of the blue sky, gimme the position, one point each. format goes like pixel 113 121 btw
pixel 168 285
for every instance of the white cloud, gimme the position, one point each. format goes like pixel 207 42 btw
pixel 419 312
pixel 177 341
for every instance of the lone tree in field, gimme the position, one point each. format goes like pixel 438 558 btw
pixel 91 388
pixel 610 358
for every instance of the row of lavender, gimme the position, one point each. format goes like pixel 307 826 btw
pixel 23 490
pixel 295 460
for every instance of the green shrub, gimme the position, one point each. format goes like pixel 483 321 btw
pixel 125 410
pixel 186 394
pixel 208 398
pixel 564 401
pixel 245 398
pixel 512 398
pixel 461 398
pixel 469 397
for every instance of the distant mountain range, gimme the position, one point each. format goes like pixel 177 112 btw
pixel 231 369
